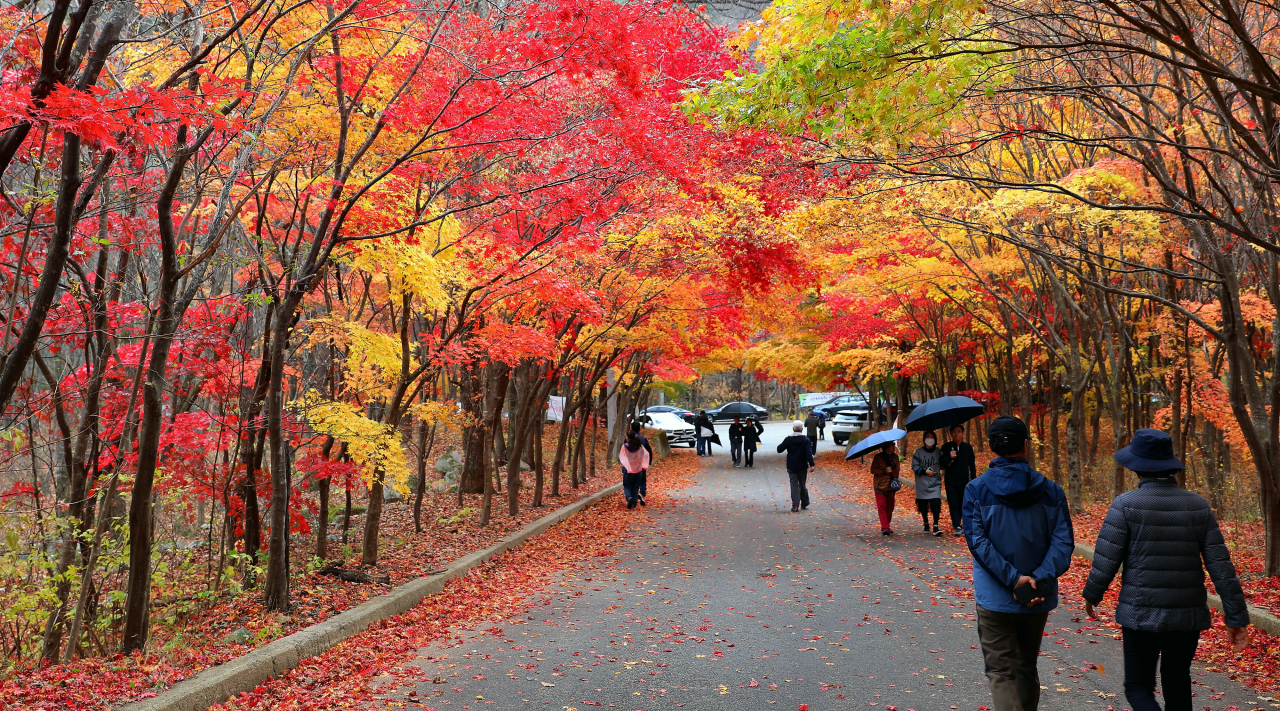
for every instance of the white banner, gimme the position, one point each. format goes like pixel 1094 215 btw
pixel 808 400
pixel 555 408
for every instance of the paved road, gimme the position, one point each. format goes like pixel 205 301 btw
pixel 733 602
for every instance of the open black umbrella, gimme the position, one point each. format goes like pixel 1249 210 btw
pixel 874 442
pixel 942 412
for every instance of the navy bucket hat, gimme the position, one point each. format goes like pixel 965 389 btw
pixel 1150 451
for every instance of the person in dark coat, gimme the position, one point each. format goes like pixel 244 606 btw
pixel 811 429
pixel 703 429
pixel 644 477
pixel 799 465
pixel 959 467
pixel 751 441
pixel 1160 533
pixel 1018 528
pixel 736 433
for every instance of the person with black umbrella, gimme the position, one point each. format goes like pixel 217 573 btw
pixel 1161 533
pixel 959 467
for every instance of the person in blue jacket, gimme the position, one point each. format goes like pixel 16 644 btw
pixel 1018 528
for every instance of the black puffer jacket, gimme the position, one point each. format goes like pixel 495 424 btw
pixel 1160 532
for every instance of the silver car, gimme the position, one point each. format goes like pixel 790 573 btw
pixel 847 422
pixel 678 431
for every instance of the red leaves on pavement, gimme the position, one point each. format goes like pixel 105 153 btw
pixel 500 591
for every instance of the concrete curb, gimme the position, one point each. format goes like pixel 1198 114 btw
pixel 217 684
pixel 1258 617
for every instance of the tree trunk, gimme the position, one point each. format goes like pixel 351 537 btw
pixel 499 375
pixel 1095 421
pixel 475 453
pixel 1075 473
pixel 562 441
pixel 1055 407
pixel 322 518
pixel 275 595
pixel 1211 443
pixel 372 521
pixel 252 442
pixel 425 445
pixel 141 515
pixel 535 449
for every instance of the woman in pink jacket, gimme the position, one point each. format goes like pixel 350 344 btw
pixel 635 466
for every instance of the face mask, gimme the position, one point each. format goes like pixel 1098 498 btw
pixel 929 442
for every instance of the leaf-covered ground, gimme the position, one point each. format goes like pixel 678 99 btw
pixel 947 566
pixel 497 595
pixel 183 647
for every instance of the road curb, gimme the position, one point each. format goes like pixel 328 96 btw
pixel 1258 617
pixel 217 684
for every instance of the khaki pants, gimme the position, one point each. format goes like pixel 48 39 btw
pixel 1010 650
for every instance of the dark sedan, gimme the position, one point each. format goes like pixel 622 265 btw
pixel 844 403
pixel 742 410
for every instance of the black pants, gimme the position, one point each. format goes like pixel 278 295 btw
pixel 749 455
pixel 631 483
pixel 813 444
pixel 1010 651
pixel 1174 651
pixel 955 484
pixel 799 492
pixel 925 506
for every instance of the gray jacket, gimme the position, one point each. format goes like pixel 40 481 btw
pixel 928 486
pixel 1160 533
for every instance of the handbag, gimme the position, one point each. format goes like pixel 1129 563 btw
pixel 894 485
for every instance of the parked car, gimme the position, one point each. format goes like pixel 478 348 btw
pixel 730 410
pixel 840 404
pixel 679 412
pixel 678 431
pixel 847 422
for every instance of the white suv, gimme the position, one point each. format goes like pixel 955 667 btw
pixel 847 422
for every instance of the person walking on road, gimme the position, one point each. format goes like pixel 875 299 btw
pixel 959 467
pixel 1160 533
pixel 751 442
pixel 811 429
pixel 799 465
pixel 736 433
pixel 927 468
pixel 1018 528
pixel 644 442
pixel 704 430
pixel 884 477
pixel 822 425
pixel 635 464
